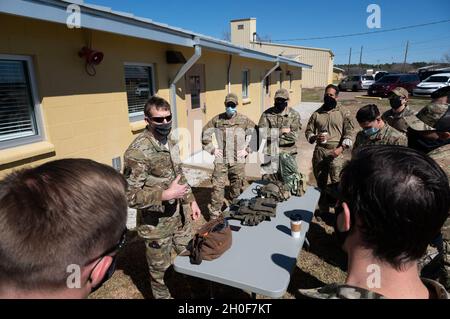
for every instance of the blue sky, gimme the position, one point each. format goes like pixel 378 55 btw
pixel 304 19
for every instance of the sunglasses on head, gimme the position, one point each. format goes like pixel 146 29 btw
pixel 160 119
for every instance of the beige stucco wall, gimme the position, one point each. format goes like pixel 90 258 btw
pixel 321 73
pixel 86 116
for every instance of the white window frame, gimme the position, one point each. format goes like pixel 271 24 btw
pixel 36 105
pixel 139 116
pixel 247 83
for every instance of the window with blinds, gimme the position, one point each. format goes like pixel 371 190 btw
pixel 139 86
pixel 17 117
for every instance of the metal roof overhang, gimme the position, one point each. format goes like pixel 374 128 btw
pixel 105 19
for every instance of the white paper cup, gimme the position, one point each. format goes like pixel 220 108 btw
pixel 296 227
pixel 325 134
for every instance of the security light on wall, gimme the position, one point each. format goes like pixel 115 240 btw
pixel 175 57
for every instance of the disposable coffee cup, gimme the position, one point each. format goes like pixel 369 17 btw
pixel 325 133
pixel 296 225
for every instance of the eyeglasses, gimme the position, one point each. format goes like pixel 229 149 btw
pixel 160 119
pixel 122 242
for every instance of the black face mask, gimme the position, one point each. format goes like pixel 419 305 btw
pixel 395 103
pixel 329 103
pixel 280 105
pixel 108 275
pixel 163 129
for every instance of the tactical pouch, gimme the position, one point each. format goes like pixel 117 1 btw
pixel 210 241
pixel 274 190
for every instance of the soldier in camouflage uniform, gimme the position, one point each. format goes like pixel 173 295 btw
pixel 280 126
pixel 374 130
pixel 384 233
pixel 159 191
pixel 395 117
pixel 432 126
pixel 233 132
pixel 331 128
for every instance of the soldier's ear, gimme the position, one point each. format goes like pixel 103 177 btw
pixel 343 219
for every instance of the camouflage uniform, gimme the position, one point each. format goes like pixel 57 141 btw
pixel 340 127
pixel 335 291
pixel 385 136
pixel 442 156
pixel 232 135
pixel 149 168
pixel 270 125
pixel 397 120
pixel 426 120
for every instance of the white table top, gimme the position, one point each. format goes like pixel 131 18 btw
pixel 261 257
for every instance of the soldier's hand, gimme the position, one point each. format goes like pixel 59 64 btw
pixel 285 130
pixel 175 190
pixel 337 151
pixel 196 212
pixel 242 153
pixel 312 139
pixel 218 153
pixel 320 138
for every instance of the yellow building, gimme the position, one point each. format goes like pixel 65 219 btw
pixel 59 101
pixel 243 32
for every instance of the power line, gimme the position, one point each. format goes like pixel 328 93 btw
pixel 363 33
pixel 398 46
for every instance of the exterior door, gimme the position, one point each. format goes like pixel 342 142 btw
pixel 196 105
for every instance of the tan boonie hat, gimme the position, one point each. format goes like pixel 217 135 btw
pixel 428 118
pixel 282 94
pixel 398 91
pixel 231 97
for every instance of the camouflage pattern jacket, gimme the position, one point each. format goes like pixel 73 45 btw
pixel 232 135
pixel 149 168
pixel 397 120
pixel 442 156
pixel 387 135
pixel 335 291
pixel 272 119
pixel 337 122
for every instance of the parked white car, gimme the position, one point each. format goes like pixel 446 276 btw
pixel 431 84
pixel 142 89
pixel 356 82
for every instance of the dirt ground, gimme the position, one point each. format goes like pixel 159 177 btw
pixel 323 263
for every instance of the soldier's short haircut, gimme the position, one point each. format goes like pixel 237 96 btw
pixel 61 213
pixel 156 102
pixel 367 113
pixel 332 86
pixel 400 199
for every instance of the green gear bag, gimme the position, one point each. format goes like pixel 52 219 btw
pixel 291 177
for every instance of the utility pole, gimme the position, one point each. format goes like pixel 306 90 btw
pixel 406 55
pixel 360 56
pixel 349 59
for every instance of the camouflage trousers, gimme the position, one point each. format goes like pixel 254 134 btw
pixel 236 175
pixel 160 240
pixel 436 262
pixel 325 168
